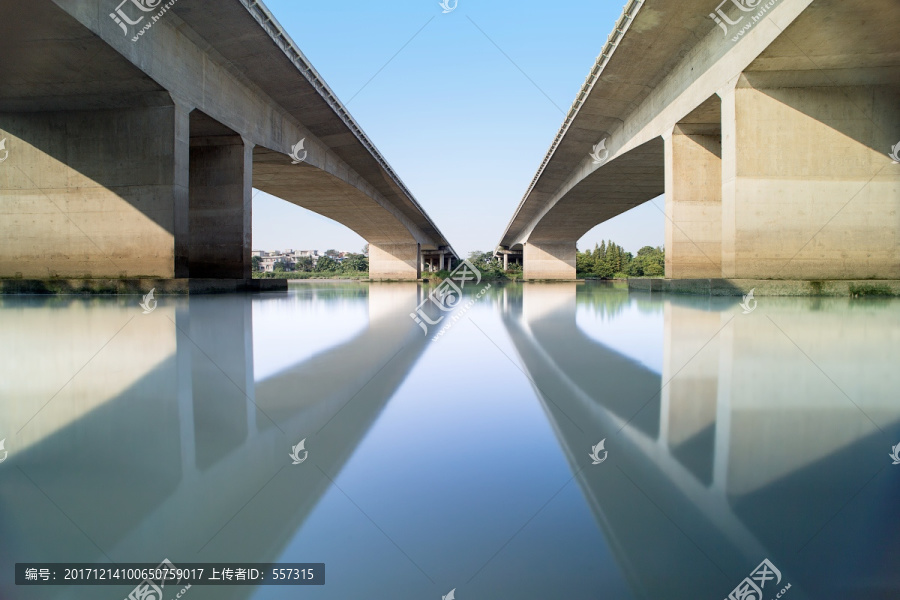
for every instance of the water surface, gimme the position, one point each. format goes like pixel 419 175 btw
pixel 462 462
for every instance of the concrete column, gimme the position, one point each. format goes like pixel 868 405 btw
pixel 729 178
pixel 549 260
pixel 809 191
pixel 505 261
pixel 394 261
pixel 181 188
pixel 221 187
pixel 92 194
pixel 693 204
pixel 441 262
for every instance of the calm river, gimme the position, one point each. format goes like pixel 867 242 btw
pixel 557 441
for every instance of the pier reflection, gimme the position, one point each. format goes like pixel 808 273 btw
pixel 758 438
pixel 165 445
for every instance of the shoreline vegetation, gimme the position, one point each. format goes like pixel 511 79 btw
pixel 313 275
pixel 607 261
pixel 610 261
pixel 331 265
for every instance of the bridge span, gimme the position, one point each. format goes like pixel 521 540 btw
pixel 768 125
pixel 136 131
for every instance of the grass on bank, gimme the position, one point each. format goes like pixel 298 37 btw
pixel 313 275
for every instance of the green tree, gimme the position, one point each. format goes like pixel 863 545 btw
pixel 355 263
pixel 281 266
pixel 584 263
pixel 649 262
pixel 332 254
pixel 255 264
pixel 304 264
pixel 486 263
pixel 326 263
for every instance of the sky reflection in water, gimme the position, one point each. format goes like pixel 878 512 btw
pixel 458 463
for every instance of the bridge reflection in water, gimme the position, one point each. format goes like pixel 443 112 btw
pixel 157 444
pixel 731 438
pixel 757 432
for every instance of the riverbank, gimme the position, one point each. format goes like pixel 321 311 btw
pixel 768 287
pixel 130 287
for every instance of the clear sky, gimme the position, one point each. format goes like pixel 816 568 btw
pixel 463 105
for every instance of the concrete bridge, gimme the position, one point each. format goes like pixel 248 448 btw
pixel 768 124
pixel 135 132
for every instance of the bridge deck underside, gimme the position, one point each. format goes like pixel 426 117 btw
pixel 614 188
pixel 322 193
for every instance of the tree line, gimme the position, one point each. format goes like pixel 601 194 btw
pixel 327 263
pixel 610 260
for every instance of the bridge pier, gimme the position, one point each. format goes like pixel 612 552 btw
pixel 395 261
pixel 91 193
pixel 221 192
pixel 693 202
pixel 549 260
pixel 809 191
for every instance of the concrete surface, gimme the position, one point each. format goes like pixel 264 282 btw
pixel 549 261
pixel 806 105
pixel 126 126
pixel 394 261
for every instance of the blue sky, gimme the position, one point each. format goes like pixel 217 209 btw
pixel 464 126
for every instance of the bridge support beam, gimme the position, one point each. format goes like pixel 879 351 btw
pixel 221 191
pixel 91 194
pixel 394 261
pixel 693 204
pixel 809 191
pixel 549 260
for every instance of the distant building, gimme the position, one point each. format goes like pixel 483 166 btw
pixel 267 260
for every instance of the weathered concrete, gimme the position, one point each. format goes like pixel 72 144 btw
pixel 131 124
pixel 803 97
pixel 82 197
pixel 694 195
pixel 394 261
pixel 549 261
pixel 809 191
pixel 221 192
